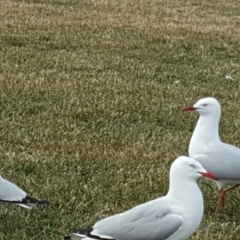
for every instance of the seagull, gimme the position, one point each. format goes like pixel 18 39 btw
pixel 11 193
pixel 207 148
pixel 175 216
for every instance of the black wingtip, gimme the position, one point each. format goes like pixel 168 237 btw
pixel 27 200
pixel 67 238
pixel 87 232
pixel 32 200
pixel 84 231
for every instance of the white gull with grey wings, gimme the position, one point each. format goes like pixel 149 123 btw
pixel 207 148
pixel 11 193
pixel 175 216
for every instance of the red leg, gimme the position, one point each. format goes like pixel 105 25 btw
pixel 222 197
pixel 221 201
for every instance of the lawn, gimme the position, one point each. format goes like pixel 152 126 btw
pixel 91 98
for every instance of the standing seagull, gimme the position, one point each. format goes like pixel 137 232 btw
pixel 175 216
pixel 11 193
pixel 207 148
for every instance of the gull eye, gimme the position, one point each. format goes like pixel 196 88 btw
pixel 205 105
pixel 192 165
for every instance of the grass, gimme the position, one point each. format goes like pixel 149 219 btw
pixel 91 98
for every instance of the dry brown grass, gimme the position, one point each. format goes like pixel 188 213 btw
pixel 91 112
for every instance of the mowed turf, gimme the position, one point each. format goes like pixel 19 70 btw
pixel 91 98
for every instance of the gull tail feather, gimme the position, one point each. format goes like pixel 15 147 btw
pixel 27 202
pixel 85 234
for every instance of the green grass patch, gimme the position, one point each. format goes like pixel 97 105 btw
pixel 91 98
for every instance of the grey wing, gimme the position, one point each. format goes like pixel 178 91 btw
pixel 9 191
pixel 152 220
pixel 223 160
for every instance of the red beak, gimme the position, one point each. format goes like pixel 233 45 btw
pixel 209 175
pixel 188 109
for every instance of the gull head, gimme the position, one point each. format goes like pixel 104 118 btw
pixel 186 167
pixel 206 106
